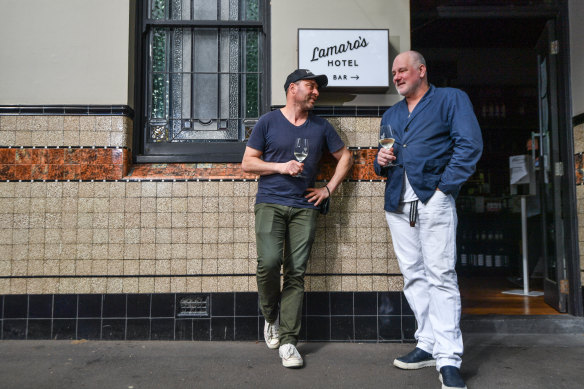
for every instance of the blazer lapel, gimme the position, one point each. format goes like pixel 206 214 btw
pixel 421 105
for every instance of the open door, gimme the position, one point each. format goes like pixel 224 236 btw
pixel 549 172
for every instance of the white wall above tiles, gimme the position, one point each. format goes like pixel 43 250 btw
pixel 288 16
pixel 48 49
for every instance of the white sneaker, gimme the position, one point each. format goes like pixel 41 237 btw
pixel 290 356
pixel 271 334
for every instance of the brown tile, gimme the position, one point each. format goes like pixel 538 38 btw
pixel 23 156
pixel 7 172
pixel 87 172
pixel 55 172
pixel 158 170
pixel 127 162
pixel 7 156
pixel 77 156
pixel 117 172
pixel 54 156
pixel 37 156
pixel 117 156
pixel 84 156
pixel 175 169
pixel 579 168
pixel 100 172
pixel 110 172
pixel 138 171
pixel 22 172
pixel 39 172
pixel 102 156
pixel 70 172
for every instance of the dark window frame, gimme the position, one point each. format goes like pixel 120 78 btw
pixel 204 151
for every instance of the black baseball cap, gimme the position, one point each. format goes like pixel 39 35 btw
pixel 305 74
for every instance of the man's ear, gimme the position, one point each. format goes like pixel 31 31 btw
pixel 422 70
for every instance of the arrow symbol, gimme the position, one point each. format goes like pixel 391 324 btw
pixel 356 77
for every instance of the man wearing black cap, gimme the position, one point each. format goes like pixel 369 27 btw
pixel 287 204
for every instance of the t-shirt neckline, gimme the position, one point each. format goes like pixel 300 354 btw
pixel 291 124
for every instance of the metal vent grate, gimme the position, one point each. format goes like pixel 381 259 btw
pixel 194 306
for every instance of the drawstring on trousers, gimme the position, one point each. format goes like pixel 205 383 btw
pixel 413 213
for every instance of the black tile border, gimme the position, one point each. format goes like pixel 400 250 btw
pixel 327 316
pixel 125 110
pixel 346 110
pixel 68 110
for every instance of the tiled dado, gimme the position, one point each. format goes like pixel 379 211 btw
pixel 58 130
pixel 327 316
pixel 189 171
pixel 114 164
pixel 362 169
pixel 29 163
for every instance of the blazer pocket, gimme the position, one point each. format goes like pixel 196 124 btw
pixel 435 166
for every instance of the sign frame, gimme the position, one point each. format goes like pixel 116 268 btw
pixel 365 88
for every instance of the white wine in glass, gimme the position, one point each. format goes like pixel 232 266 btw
pixel 300 151
pixel 300 155
pixel 386 138
pixel 386 143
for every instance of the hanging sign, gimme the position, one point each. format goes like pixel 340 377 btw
pixel 349 58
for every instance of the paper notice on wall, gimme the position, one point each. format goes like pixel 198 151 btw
pixel 519 166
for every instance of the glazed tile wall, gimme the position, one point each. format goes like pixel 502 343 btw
pixel 326 316
pixel 143 232
pixel 158 237
pixel 64 131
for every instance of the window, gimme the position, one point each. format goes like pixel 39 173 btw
pixel 202 78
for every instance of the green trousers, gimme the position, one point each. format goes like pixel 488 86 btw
pixel 284 236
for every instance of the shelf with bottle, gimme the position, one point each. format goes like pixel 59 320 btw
pixel 484 249
pixel 488 243
pixel 505 106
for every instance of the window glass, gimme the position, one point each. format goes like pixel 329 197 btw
pixel 204 70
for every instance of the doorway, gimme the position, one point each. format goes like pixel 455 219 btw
pixel 505 65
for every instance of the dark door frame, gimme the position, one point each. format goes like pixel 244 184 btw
pixel 566 145
pixel 558 12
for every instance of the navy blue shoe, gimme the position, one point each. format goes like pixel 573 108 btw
pixel 416 359
pixel 450 378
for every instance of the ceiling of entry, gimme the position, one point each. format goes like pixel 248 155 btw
pixel 478 24
pixel 479 33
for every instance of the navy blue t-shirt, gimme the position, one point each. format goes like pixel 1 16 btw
pixel 275 136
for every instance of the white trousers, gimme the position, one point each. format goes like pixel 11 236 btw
pixel 426 255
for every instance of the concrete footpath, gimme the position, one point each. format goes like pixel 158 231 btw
pixel 490 361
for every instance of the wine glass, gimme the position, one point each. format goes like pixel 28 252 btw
pixel 300 151
pixel 387 138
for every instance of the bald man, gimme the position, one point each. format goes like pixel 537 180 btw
pixel 437 145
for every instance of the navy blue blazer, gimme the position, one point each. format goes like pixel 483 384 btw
pixel 438 145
